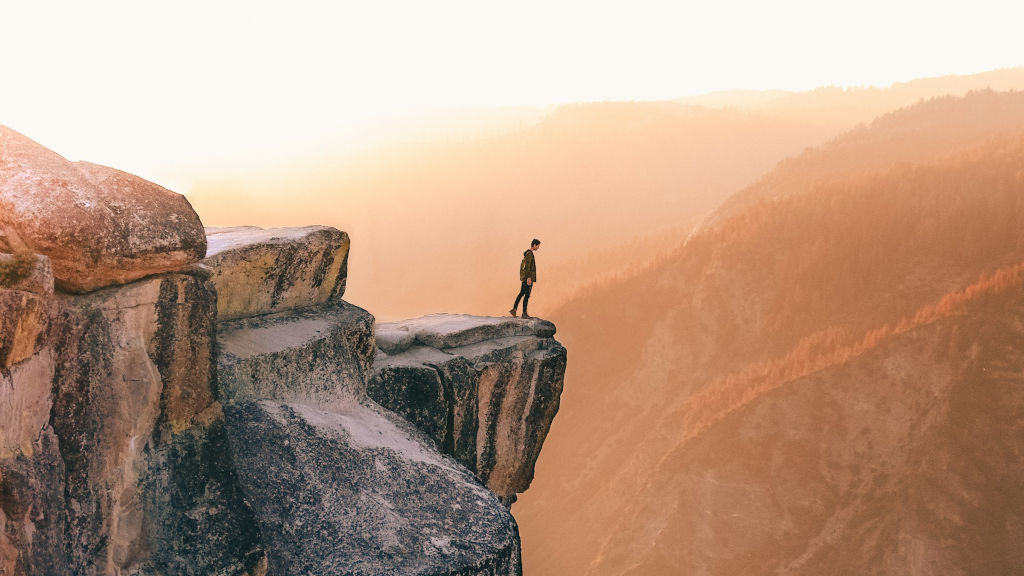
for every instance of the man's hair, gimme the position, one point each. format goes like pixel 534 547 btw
pixel 535 242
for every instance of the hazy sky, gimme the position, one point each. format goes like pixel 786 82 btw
pixel 162 88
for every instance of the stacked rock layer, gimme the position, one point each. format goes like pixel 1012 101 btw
pixel 161 413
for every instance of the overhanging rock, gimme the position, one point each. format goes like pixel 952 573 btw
pixel 484 389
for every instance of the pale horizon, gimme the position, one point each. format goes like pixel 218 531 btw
pixel 170 91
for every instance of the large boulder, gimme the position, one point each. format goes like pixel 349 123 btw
pixel 358 491
pixel 260 271
pixel 99 226
pixel 484 389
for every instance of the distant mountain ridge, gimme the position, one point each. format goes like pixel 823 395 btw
pixel 869 101
pixel 828 272
pixel 588 179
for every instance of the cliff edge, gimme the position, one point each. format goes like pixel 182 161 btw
pixel 168 408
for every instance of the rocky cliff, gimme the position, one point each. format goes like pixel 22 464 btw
pixel 165 414
pixel 484 390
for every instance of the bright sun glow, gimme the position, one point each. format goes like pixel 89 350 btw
pixel 173 89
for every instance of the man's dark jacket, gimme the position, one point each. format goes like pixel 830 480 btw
pixel 528 269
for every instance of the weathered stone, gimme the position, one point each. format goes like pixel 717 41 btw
pixel 359 491
pixel 23 321
pixel 99 226
pixel 26 272
pixel 394 338
pixel 488 400
pixel 25 402
pixel 142 482
pixel 33 517
pixel 259 271
pixel 198 521
pixel 128 359
pixel 311 355
pixel 451 330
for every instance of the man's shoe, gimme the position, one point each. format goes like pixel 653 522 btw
pixel 526 316
pixel 512 312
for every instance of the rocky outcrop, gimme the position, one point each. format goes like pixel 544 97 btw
pixel 109 435
pixel 484 389
pixel 311 355
pixel 358 491
pixel 26 272
pixel 260 271
pixel 26 282
pixel 337 484
pixel 141 434
pixel 99 226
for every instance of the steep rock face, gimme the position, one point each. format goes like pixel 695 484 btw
pixel 484 389
pixel 337 484
pixel 111 420
pixel 99 226
pixel 122 455
pixel 26 282
pixel 366 495
pixel 259 271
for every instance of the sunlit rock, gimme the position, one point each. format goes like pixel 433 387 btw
pixel 259 271
pixel 99 226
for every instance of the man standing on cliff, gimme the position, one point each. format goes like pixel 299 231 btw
pixel 527 275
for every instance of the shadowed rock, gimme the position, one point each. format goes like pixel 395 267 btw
pixel 26 283
pixel 358 491
pixel 113 455
pixel 311 355
pixel 484 389
pixel 259 271
pixel 99 226
pixel 27 272
pixel 339 485
pixel 23 320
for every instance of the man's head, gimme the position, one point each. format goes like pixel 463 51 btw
pixel 535 244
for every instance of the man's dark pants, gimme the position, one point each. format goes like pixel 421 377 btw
pixel 524 294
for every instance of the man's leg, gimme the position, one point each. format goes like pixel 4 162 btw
pixel 523 291
pixel 526 298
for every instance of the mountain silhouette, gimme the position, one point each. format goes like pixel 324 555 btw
pixel 607 187
pixel 825 378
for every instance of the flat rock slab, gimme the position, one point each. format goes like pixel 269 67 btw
pixel 358 491
pixel 454 330
pixel 311 355
pixel 99 226
pixel 261 271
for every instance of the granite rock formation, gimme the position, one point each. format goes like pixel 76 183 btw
pixel 259 271
pixel 99 226
pixel 142 434
pixel 366 494
pixel 484 389
pixel 26 282
pixel 337 484
pixel 121 385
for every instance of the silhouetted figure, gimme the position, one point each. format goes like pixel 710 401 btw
pixel 527 275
